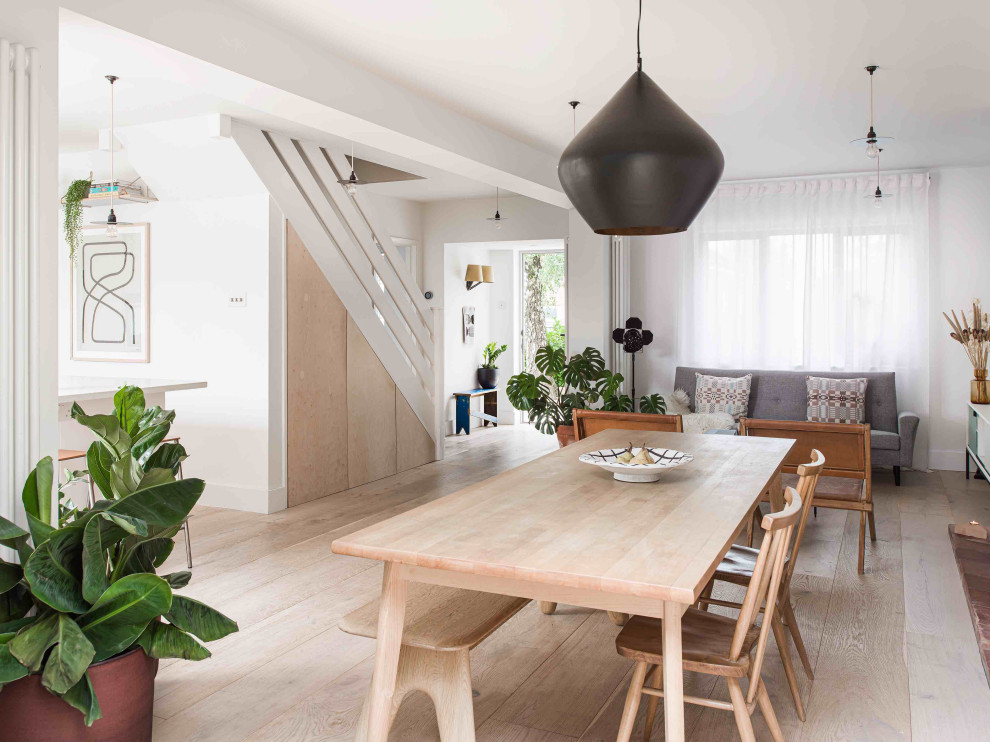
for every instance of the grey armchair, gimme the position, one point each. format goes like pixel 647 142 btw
pixel 895 449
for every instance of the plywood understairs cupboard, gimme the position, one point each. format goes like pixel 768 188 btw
pixel 347 424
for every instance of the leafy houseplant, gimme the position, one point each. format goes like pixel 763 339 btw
pixel 72 216
pixel 566 384
pixel 88 591
pixel 488 372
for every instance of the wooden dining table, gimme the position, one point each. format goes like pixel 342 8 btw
pixel 562 531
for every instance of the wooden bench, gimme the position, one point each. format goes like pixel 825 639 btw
pixel 465 413
pixel 442 625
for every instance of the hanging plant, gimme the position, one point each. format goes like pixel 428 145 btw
pixel 73 217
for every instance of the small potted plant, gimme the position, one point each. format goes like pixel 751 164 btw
pixel 488 371
pixel 77 191
pixel 84 618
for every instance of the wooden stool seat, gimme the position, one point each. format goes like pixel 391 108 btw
pixel 442 625
pixel 67 454
pixel 440 618
pixel 832 488
pixel 738 564
pixel 706 641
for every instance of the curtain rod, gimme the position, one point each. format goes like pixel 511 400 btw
pixel 860 174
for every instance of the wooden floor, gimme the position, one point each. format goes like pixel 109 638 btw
pixel 894 651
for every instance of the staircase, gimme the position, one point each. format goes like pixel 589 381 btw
pixel 355 252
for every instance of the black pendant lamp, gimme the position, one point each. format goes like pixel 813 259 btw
pixel 641 165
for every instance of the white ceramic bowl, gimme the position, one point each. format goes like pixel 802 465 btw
pixel 608 459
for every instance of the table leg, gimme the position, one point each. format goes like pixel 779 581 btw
pixel 391 616
pixel 777 492
pixel 673 673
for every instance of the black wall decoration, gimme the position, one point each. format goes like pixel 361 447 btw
pixel 633 338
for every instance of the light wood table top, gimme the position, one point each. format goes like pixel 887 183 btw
pixel 557 521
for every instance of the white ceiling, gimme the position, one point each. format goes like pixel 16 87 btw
pixel 158 84
pixel 778 83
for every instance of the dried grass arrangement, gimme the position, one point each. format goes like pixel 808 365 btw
pixel 973 333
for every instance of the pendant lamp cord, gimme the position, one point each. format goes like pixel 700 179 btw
pixel 639 58
pixel 112 81
pixel 871 100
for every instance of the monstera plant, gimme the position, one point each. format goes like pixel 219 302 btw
pixel 566 384
pixel 87 591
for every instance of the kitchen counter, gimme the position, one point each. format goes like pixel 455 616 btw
pixel 79 388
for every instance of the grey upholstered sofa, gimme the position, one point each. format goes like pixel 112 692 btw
pixel 783 395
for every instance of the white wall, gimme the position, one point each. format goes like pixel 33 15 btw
pixel 587 287
pixel 465 220
pixel 505 309
pixel 461 360
pixel 960 228
pixel 404 219
pixel 654 288
pixel 202 252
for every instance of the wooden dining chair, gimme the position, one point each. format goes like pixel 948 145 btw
pixel 846 482
pixel 589 422
pixel 738 567
pixel 717 645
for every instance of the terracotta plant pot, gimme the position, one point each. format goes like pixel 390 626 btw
pixel 124 685
pixel 565 435
pixel 488 378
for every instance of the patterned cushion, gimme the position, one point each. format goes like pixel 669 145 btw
pixel 722 394
pixel 836 400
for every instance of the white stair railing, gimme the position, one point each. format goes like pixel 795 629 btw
pixel 357 256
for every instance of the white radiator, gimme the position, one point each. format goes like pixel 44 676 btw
pixel 20 194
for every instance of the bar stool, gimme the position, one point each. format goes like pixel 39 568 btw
pixel 68 454
pixel 185 523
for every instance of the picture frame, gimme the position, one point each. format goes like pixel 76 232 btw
pixel 467 314
pixel 110 296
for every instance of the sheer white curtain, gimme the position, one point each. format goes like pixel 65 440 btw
pixel 806 274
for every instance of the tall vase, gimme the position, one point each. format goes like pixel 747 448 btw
pixel 979 388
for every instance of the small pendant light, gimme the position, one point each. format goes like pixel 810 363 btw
pixel 641 165
pixel 350 184
pixel 871 140
pixel 877 195
pixel 111 222
pixel 498 218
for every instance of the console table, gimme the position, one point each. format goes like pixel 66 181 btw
pixel 465 413
pixel 978 439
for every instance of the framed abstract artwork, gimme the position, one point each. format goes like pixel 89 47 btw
pixel 110 295
pixel 468 315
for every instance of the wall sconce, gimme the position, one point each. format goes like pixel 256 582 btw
pixel 477 275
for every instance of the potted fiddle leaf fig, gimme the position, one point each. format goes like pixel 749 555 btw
pixel 488 371
pixel 84 616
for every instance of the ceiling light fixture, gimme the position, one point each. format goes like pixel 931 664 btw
pixel 871 140
pixel 641 165
pixel 498 218
pixel 878 194
pixel 574 104
pixel 350 184
pixel 111 223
